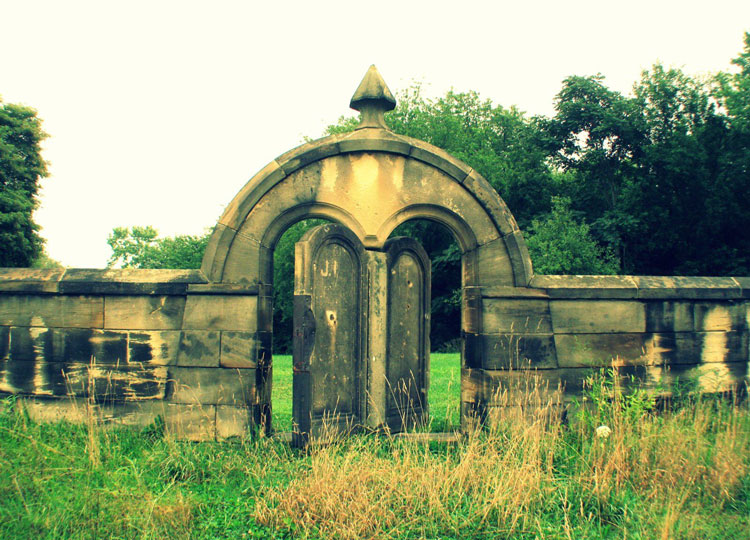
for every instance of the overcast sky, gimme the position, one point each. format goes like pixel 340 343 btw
pixel 159 112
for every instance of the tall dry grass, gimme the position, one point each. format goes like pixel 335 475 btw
pixel 527 475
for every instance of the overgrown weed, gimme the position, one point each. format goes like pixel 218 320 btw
pixel 681 471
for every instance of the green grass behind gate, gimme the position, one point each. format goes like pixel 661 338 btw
pixel 444 393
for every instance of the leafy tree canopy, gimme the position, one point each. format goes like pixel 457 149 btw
pixel 21 169
pixel 141 247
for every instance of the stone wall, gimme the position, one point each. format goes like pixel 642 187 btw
pixel 656 329
pixel 137 344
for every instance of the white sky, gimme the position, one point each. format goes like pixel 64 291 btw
pixel 159 112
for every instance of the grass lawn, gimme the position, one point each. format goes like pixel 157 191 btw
pixel 444 394
pixel 682 474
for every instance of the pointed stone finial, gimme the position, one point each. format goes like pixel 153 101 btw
pixel 372 99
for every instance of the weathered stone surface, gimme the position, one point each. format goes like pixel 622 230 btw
pixel 52 311
pixel 687 287
pixel 519 258
pixel 144 312
pixel 233 421
pixel 199 348
pixel 669 316
pixel 494 267
pixel 4 341
pixel 509 351
pixel 216 386
pixel 603 350
pixel 240 350
pixel 597 316
pixel 128 281
pixel 723 316
pixel 516 315
pixel 580 287
pixel 744 284
pixel 30 280
pixel 329 382
pixel 81 345
pixel 472 310
pixel 248 262
pixel 209 312
pixel 190 422
pixel 100 381
pixel 488 199
pixel 408 315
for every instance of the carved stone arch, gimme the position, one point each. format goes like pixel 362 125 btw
pixel 367 180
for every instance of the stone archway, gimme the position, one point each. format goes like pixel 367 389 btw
pixel 370 181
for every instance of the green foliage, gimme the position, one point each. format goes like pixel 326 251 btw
pixel 283 284
pixel 681 474
pixel 141 247
pixel 21 169
pixel 560 244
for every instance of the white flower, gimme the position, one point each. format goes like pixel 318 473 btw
pixel 603 432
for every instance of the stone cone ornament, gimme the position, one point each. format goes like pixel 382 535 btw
pixel 372 99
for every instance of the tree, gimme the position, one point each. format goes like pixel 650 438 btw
pixel 21 170
pixel 561 244
pixel 141 247
pixel 502 145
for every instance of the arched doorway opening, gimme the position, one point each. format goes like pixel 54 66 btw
pixel 446 342
pixel 283 320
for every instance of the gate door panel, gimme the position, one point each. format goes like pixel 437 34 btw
pixel 408 342
pixel 328 352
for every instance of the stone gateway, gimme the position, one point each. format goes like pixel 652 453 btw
pixel 194 346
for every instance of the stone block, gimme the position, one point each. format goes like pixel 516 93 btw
pixel 509 351
pixel 440 159
pixel 199 348
pixel 209 312
pixel 493 264
pixel 247 262
pixel 700 348
pixel 128 281
pixel 472 311
pixel 52 311
pixel 580 287
pixel 155 348
pixel 597 316
pixel 367 141
pixel 190 422
pixel 216 386
pixel 519 258
pixel 720 316
pixel 240 350
pixel 603 350
pixel 239 208
pixel 680 287
pixel 488 199
pixel 216 251
pixel 744 284
pixel 144 312
pixel 104 383
pixel 516 316
pixel 233 421
pixel 307 153
pixel 4 342
pixel 669 316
